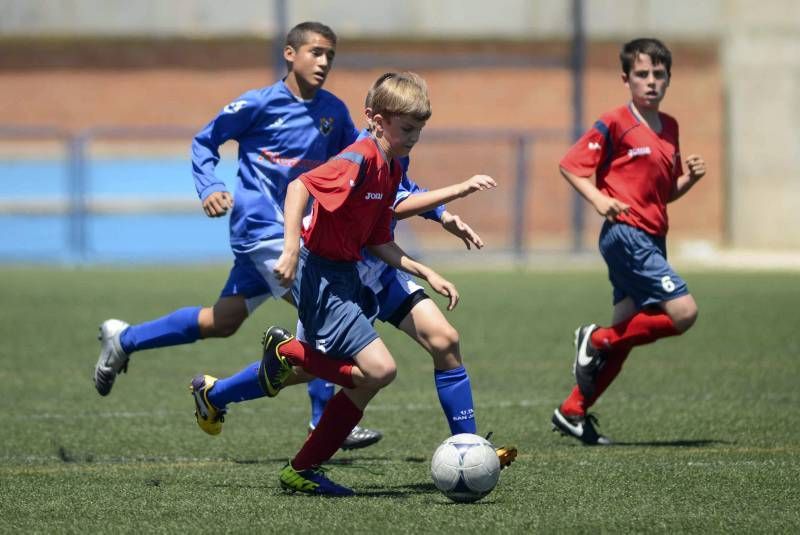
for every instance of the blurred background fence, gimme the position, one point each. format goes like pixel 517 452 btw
pixel 125 193
pixel 99 101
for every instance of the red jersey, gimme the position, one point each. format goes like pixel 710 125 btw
pixel 353 196
pixel 632 164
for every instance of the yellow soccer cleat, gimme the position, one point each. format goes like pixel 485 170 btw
pixel 209 418
pixel 506 455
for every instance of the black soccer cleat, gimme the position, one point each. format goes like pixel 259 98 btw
pixel 588 360
pixel 361 437
pixel 580 428
pixel 275 368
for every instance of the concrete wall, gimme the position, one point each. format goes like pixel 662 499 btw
pixel 759 42
pixel 520 19
pixel 761 64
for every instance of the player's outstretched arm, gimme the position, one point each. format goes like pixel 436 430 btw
pixel 422 202
pixel 606 206
pixel 296 200
pixel 392 254
pixel 458 228
pixel 217 204
pixel 697 170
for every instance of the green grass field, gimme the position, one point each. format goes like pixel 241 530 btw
pixel 706 424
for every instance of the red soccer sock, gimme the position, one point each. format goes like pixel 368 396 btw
pixel 611 369
pixel 318 364
pixel 640 329
pixel 338 419
pixel 574 404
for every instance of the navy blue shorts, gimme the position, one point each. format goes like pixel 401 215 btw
pixel 637 265
pixel 335 309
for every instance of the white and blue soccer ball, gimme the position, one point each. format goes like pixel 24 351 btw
pixel 465 467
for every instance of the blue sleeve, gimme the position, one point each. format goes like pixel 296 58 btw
pixel 232 121
pixel 348 134
pixel 408 187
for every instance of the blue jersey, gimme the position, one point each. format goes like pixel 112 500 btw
pixel 280 137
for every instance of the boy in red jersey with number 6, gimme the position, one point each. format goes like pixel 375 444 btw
pixel 628 166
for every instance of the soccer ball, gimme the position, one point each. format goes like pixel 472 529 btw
pixel 465 467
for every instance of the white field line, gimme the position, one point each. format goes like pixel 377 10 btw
pixel 164 413
pixel 405 407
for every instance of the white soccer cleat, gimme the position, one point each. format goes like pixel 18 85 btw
pixel 113 359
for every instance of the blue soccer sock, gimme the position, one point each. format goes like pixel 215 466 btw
pixel 455 396
pixel 176 328
pixel 241 386
pixel 320 391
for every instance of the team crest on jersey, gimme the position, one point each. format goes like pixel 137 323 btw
pixel 325 125
pixel 233 107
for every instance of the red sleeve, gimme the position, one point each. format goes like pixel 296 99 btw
pixel 589 152
pixel 331 182
pixel 382 231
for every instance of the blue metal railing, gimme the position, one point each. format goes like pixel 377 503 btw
pixel 80 208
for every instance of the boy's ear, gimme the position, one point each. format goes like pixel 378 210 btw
pixel 624 77
pixel 289 53
pixel 368 116
pixel 378 120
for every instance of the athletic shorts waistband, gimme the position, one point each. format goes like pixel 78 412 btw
pixel 336 265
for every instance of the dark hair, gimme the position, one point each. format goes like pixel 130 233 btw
pixel 298 36
pixel 658 52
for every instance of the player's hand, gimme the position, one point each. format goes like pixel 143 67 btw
pixel 285 269
pixel 455 226
pixel 217 204
pixel 444 287
pixel 610 208
pixel 477 183
pixel 697 167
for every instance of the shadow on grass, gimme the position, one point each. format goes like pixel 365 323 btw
pixel 372 491
pixel 396 491
pixel 341 461
pixel 676 443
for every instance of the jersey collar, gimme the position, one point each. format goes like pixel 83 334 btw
pixel 288 91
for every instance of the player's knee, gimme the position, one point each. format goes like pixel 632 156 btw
pixel 445 343
pixel 686 318
pixel 382 375
pixel 223 327
pixel 229 329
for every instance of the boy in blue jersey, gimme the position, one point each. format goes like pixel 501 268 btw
pixel 283 130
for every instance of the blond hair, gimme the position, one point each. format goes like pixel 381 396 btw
pixel 399 93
